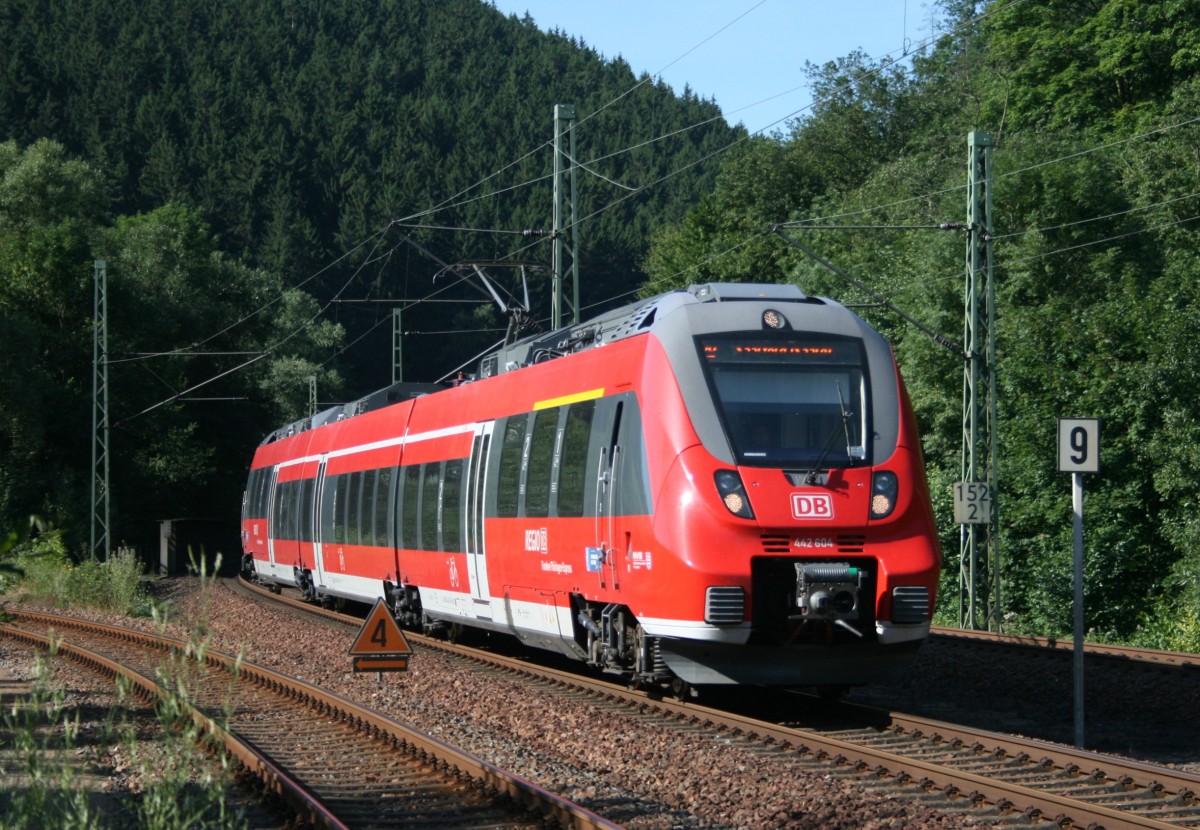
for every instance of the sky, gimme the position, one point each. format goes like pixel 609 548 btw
pixel 748 55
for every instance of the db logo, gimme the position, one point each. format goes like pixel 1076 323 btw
pixel 812 506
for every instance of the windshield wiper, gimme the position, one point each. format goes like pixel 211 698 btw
pixel 810 477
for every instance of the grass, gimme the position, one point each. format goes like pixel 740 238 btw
pixel 181 781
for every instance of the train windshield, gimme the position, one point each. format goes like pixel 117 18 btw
pixel 792 403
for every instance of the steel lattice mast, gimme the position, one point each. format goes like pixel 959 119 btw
pixel 979 574
pixel 100 478
pixel 566 239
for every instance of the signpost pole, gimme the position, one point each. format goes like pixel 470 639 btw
pixel 1078 453
pixel 1077 503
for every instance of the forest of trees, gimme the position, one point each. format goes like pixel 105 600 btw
pixel 245 170
pixel 1094 112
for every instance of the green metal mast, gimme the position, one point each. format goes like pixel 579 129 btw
pixel 979 574
pixel 566 239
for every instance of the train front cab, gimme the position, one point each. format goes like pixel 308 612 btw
pixel 815 544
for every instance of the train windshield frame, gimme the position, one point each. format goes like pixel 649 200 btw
pixel 792 402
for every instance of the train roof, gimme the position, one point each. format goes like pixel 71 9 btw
pixel 620 323
pixel 630 320
pixel 395 393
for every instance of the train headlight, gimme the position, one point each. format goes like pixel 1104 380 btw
pixel 733 493
pixel 772 319
pixel 883 494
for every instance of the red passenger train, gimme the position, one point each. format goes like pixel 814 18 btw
pixel 712 486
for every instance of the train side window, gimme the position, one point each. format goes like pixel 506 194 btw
pixel 408 519
pixel 307 488
pixel 383 486
pixel 260 492
pixel 539 478
pixel 353 496
pixel 288 492
pixel 297 500
pixel 281 511
pixel 334 496
pixel 366 509
pixel 452 493
pixel 430 487
pixel 574 466
pixel 342 497
pixel 633 492
pixel 248 504
pixel 512 452
pixel 264 491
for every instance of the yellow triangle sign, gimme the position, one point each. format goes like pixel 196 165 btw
pixel 380 634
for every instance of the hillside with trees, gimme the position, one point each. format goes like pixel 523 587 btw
pixel 1092 109
pixel 245 169
pixel 265 180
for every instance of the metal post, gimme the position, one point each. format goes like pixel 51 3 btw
pixel 1077 503
pixel 312 395
pixel 100 464
pixel 397 347
pixel 979 573
pixel 564 216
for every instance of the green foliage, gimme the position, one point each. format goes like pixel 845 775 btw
pixel 1092 112
pixel 232 165
pixel 171 292
pixel 202 149
pixel 50 575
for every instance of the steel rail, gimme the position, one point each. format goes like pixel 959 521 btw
pixel 304 803
pixel 1129 654
pixel 551 806
pixel 1031 800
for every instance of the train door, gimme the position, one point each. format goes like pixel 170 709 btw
pixel 272 496
pixel 602 559
pixel 476 544
pixel 323 521
pixel 284 524
pixel 622 490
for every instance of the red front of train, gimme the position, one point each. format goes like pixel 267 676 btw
pixel 722 485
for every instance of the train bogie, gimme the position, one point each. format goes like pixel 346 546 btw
pixel 715 486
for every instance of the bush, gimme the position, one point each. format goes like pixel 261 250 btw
pixel 48 574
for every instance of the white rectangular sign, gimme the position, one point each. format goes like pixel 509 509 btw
pixel 972 503
pixel 1078 445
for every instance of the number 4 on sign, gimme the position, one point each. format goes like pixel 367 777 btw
pixel 380 644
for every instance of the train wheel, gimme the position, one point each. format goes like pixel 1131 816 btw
pixel 680 688
pixel 455 633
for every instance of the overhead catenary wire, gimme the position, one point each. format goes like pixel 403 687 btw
pixel 450 202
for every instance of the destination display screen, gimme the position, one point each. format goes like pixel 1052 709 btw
pixel 796 352
pixel 795 403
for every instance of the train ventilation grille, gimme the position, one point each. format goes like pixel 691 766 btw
pixel 724 605
pixel 851 544
pixel 910 604
pixel 782 543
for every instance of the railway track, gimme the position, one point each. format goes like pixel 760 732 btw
pixel 338 764
pixel 990 776
pixel 1047 646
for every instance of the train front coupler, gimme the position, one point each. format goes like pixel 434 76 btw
pixel 829 592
